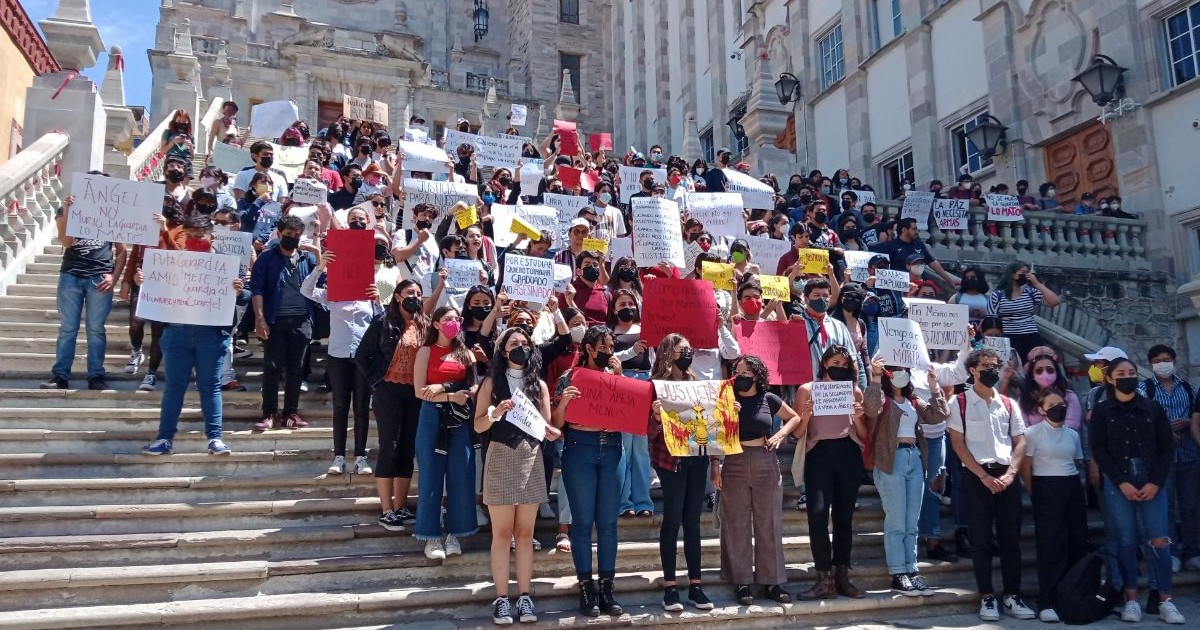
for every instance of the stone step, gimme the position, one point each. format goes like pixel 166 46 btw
pixel 43 302
pixel 49 329
pixel 38 290
pixel 182 464
pixel 124 395
pixel 46 268
pixel 191 438
pixel 235 413
pixel 38 278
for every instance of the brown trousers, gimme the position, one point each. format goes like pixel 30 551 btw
pixel 752 518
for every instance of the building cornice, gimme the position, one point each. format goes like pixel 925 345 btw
pixel 26 37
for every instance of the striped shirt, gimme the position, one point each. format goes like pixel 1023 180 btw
pixel 1016 316
pixel 1178 404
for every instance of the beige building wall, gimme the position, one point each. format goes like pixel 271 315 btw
pixel 16 78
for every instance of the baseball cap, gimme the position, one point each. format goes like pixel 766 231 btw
pixel 723 150
pixel 1107 353
pixel 912 258
pixel 580 222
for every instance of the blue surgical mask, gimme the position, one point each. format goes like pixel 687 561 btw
pixel 605 198
pixel 489 198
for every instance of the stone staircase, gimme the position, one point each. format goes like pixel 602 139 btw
pixel 95 535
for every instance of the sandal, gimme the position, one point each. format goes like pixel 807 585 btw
pixel 563 543
pixel 628 514
pixel 776 593
pixel 742 594
pixel 645 513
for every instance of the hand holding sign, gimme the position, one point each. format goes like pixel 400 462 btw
pixel 114 210
pixel 611 402
pixel 353 271
pixel 833 398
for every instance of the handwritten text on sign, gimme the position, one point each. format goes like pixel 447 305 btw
pixel 529 279
pixel 814 261
pixel 354 269
pixel 832 398
pixel 944 326
pixel 442 195
pixel 526 417
pixel 755 194
pixel 951 214
pixel 917 204
pixel 309 192
pixel 767 251
pixel 721 213
pixel 657 235
pixel 1004 208
pixel 356 108
pixel 114 210
pixel 462 274
pixel 1002 345
pixel 891 280
pixel 857 261
pixel 234 243
pixel 687 307
pixel 608 401
pixel 497 152
pixel 182 287
pixel 631 179
pixel 699 418
pixel 901 343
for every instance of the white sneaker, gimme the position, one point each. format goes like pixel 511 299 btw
pixel 988 610
pixel 1014 606
pixel 1168 613
pixel 434 549
pixel 452 546
pixel 481 515
pixel 361 467
pixel 1048 615
pixel 148 383
pixel 135 361
pixel 339 466
pixel 1176 564
pixel 1132 612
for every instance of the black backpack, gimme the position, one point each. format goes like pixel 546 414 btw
pixel 1083 595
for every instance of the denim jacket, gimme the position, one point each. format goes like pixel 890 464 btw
pixel 266 279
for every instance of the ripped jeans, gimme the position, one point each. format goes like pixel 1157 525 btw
pixel 1151 515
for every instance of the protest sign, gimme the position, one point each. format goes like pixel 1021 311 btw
pixel 755 194
pixel 775 288
pixel 891 280
pixel 525 416
pixel 517 113
pixel 600 141
pixel 343 216
pixel 563 274
pixel 524 139
pixel 419 135
pixel 353 271
pixel 864 196
pixel 767 251
pixel 570 177
pixel 420 157
pixel 699 418
pixel 719 274
pixel 620 248
pixel 235 243
pixel 687 307
pixel 356 108
pixel 901 343
pixel 814 261
pixel 310 192
pixel 944 326
pixel 497 152
pixel 857 262
pixel 568 137
pixel 595 245
pixel 588 180
pixel 782 346
pixel 608 401
pixel 1004 208
pixel 289 160
pixel 917 205
pixel 540 218
pixel 951 214
pixel 568 207
pixel 462 274
pixel 442 195
pixel 271 119
pixel 833 398
pixel 466 217
pixel 114 210
pixel 1002 345
pixel 631 182
pixel 230 159
pixel 529 279
pixel 657 235
pixel 182 287
pixel 532 175
pixel 721 213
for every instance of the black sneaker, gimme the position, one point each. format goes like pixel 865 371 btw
pixel 698 598
pixel 502 612
pixel 55 383
pixel 391 522
pixel 525 610
pixel 940 554
pixel 406 516
pixel 903 584
pixel 918 582
pixel 97 384
pixel 671 599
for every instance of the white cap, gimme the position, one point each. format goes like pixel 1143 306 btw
pixel 1107 353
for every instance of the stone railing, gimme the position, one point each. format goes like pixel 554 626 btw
pixel 146 161
pixel 31 188
pixel 206 123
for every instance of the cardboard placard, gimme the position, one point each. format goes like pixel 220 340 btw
pixel 356 108
pixel 589 180
pixel 442 195
pixel 466 217
pixel 699 418
pixel 525 416
pixel 833 398
pixel 775 287
pixel 421 157
pixel 1004 208
pixel 767 251
pixel 611 402
pixel 114 210
pixel 271 119
pixel 719 274
pixel 532 175
pixel 595 245
pixel 517 114
pixel 620 248
pixel 230 159
pixel 857 262
pixel 891 280
pixel 814 261
pixel 600 141
pixel 182 287
pixel 462 274
pixel 687 307
pixel 721 213
pixel 755 194
pixel 568 137
pixel 528 279
pixel 944 326
pixel 1001 344
pixel 353 272
pixel 951 214
pixel 563 274
pixel 234 243
pixel 917 205
pixel 782 346
pixel 568 207
pixel 901 343
pixel 310 192
pixel 631 182
pixel 657 234
pixel 864 196
pixel 289 160
pixel 495 152
pixel 508 136
pixel 540 218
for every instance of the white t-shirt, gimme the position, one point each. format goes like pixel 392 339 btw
pixel 1054 451
pixel 242 182
pixel 989 428
pixel 420 264
pixel 908 421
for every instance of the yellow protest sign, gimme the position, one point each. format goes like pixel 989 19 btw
pixel 814 261
pixel 775 288
pixel 521 226
pixel 595 245
pixel 720 274
pixel 466 217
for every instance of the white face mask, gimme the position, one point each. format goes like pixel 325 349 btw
pixel 1164 369
pixel 577 333
pixel 917 270
pixel 221 227
pixel 900 380
pixel 1051 192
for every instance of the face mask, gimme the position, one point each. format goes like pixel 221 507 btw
pixel 738 257
pixel 451 329
pixel 374 181
pixel 208 182
pixel 838 373
pixel 266 161
pixel 900 379
pixel 577 333
pixel 820 217
pixel 196 245
pixel 1022 280
pixel 1096 374
pixel 700 171
pixel 851 304
pixel 1163 369
pixel 1057 413
pixel 843 182
pixel 289 243
pixel 604 198
pixel 685 360
pixel 591 274
pixel 206 209
pixel 917 270
pixel 424 225
pixel 673 180
pixel 1126 384
pixel 489 199
pixel 1045 379
pixel 847 204
pixel 519 355
pixel 819 305
pixel 752 306
pixel 356 181
pixel 381 252
pixel 704 246
pixel 358 225
pixel 824 190
pixel 1051 192
pixel 602 358
pixel 262 189
pixel 989 378
pixel 646 184
pixel 627 314
pixel 480 312
pixel 363 150
pixel 626 274
pixel 174 176
pixel 505 180
pixel 743 383
pixel 805 200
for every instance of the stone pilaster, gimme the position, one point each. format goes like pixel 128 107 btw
pixel 118 137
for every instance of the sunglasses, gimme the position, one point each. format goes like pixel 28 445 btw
pixel 1045 370
pixel 377 204
pixel 704 240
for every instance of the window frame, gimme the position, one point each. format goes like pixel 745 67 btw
pixel 576 73
pixel 1191 13
pixel 893 185
pixel 960 146
pixel 707 147
pixel 564 16
pixel 829 74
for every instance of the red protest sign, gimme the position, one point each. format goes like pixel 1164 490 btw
pixel 687 307
pixel 782 346
pixel 353 270
pixel 568 137
pixel 600 141
pixel 611 402
pixel 570 177
pixel 589 180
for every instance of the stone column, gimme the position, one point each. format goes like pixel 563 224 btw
pixel 119 119
pixel 182 92
pixel 927 159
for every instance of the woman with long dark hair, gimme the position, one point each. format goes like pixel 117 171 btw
pixel 625 321
pixel 1016 300
pixel 177 138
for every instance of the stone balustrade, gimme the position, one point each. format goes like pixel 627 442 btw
pixel 31 189
pixel 206 122
pixel 146 161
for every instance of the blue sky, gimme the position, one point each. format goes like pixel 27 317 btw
pixel 126 23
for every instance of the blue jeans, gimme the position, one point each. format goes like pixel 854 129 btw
pixel 958 500
pixel 1183 495
pixel 592 476
pixel 930 524
pixel 455 470
pixel 1148 517
pixel 74 293
pixel 635 471
pixel 184 347
pixel 901 492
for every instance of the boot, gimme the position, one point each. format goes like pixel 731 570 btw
pixel 841 581
pixel 587 599
pixel 823 589
pixel 608 605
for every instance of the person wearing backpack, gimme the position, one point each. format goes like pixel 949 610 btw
pixel 988 434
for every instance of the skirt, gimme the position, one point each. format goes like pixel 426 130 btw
pixel 514 476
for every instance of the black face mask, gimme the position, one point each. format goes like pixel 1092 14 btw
pixel 838 373
pixel 175 176
pixel 556 191
pixel 1022 280
pixel 356 182
pixel 849 235
pixel 869 217
pixel 412 304
pixel 1057 413
pixel 685 360
pixel 847 204
pixel 480 312
pixel 381 252
pixel 989 378
pixel 626 274
pixel 627 314
pixel 424 225
pixel 266 161
pixel 525 328
pixel 358 225
pixel 602 359
pixel 1126 384
pixel 504 181
pixel 364 150
pixel 461 255
pixel 289 243
pixel 851 304
pixel 820 217
pixel 743 383
pixel 206 209
pixel 519 355
pixel 805 200
pixel 591 274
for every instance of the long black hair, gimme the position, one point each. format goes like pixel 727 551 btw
pixel 393 323
pixel 531 382
pixel 594 335
pixel 838 351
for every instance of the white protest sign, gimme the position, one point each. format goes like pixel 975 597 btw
pixel 891 280
pixel 755 194
pixel 568 207
pixel 517 113
pixel 1004 208
pixel 497 152
pixel 563 274
pixel 832 398
pixel 951 214
pixel 420 135
pixel 1002 345
pixel 182 287
pixel 631 179
pixel 901 343
pixel 441 195
pixel 721 213
pixel 620 248
pixel 525 415
pixel 767 251
pixel 543 218
pixel 234 243
pixel 306 214
pixel 508 136
pixel 114 210
pixel 944 326
pixel 462 274
pixel 857 262
pixel 271 119
pixel 356 108
pixel 917 204
pixel 309 192
pixel 343 216
pixel 289 160
pixel 532 175
pixel 529 279
pixel 865 196
pixel 422 157
pixel 657 234
pixel 230 159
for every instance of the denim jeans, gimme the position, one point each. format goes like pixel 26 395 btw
pixel 635 471
pixel 455 470
pixel 901 493
pixel 1183 493
pixel 1127 515
pixel 74 293
pixel 930 524
pixel 592 476
pixel 187 347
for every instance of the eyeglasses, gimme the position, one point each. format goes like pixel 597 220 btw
pixel 1045 370
pixel 989 366
pixel 377 204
